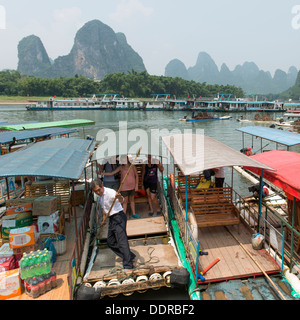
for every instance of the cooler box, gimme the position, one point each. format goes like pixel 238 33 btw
pixel 44 206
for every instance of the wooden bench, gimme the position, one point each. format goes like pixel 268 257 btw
pixel 192 183
pixel 214 207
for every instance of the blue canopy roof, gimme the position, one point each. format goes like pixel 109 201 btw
pixel 60 158
pixel 7 136
pixel 286 138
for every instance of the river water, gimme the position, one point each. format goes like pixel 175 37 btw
pixel 224 131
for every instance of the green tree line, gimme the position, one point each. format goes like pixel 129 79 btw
pixel 132 84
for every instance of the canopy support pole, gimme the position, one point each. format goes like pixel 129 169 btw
pixel 292 233
pixel 74 207
pixel 186 200
pixel 260 198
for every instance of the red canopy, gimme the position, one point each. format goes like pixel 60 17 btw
pixel 287 166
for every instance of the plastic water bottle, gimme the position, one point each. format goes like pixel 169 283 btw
pixel 27 284
pixel 30 267
pixel 35 288
pixel 39 265
pixel 53 278
pixel 41 283
pixel 46 263
pixel 47 278
pixel 24 268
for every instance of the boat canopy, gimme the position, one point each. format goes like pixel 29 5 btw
pixel 286 138
pixel 58 158
pixel 194 153
pixel 287 174
pixel 50 124
pixel 7 136
pixel 125 142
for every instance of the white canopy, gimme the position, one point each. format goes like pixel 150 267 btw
pixel 194 153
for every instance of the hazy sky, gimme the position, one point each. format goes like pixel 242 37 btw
pixel 266 32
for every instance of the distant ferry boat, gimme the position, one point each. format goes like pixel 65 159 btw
pixel 71 104
pixel 239 105
pixel 160 102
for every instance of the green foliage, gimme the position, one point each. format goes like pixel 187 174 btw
pixel 141 84
pixel 132 84
pixel 12 83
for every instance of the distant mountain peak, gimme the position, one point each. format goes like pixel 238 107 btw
pixel 97 51
pixel 248 76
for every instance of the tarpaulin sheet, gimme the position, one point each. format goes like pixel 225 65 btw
pixel 287 174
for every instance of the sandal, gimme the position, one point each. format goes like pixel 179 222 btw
pixel 136 216
pixel 150 214
pixel 158 213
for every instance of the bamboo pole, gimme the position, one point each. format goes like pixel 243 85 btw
pixel 102 225
pixel 259 266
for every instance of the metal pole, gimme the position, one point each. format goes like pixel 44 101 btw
pixel 260 198
pixel 186 200
pixel 74 207
pixel 292 234
pixel 282 252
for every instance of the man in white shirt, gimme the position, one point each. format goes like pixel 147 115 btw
pixel 117 239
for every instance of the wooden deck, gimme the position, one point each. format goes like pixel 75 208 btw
pixel 234 262
pixel 148 240
pixel 61 292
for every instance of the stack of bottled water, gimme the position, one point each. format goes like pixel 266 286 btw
pixel 35 269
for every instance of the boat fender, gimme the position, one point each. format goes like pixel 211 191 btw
pixel 113 282
pixel 179 278
pixel 87 292
pixel 166 276
pixel 155 276
pixel 99 284
pixel 140 279
pixel 128 281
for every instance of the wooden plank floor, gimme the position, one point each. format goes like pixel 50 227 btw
pixel 141 227
pixel 234 261
pixel 61 292
pixel 159 255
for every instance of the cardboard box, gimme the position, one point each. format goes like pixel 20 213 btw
pixel 26 249
pixel 22 237
pixel 19 209
pixel 48 224
pixel 44 206
pixel 15 221
pixel 6 251
pixel 10 285
pixel 7 263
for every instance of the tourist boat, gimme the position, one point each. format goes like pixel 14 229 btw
pixel 225 104
pixel 227 254
pixel 158 103
pixel 177 105
pixel 125 104
pixel 154 240
pixel 204 117
pixel 71 157
pixel 95 102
